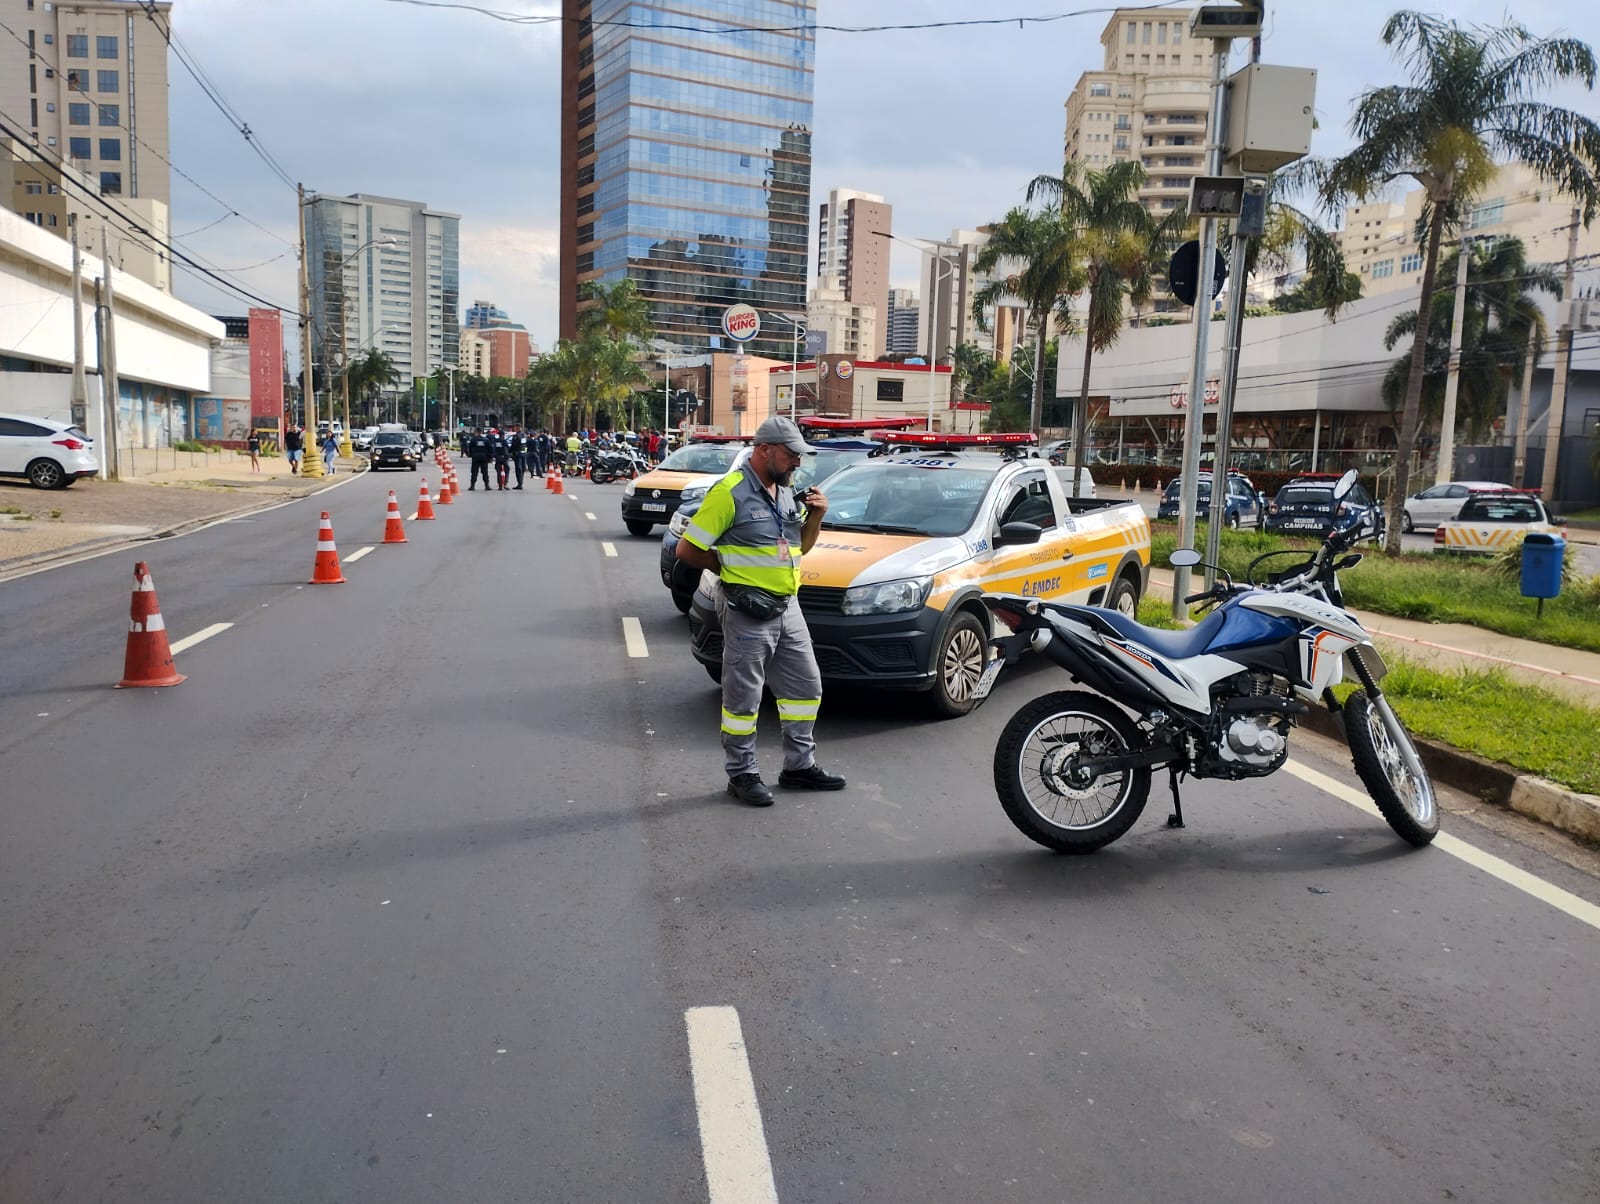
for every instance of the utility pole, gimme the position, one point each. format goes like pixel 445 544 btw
pixel 110 384
pixel 1558 390
pixel 1445 467
pixel 311 459
pixel 1194 419
pixel 1519 446
pixel 80 386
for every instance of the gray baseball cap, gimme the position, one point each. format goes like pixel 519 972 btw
pixel 784 431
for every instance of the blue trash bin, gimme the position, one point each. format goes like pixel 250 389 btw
pixel 1542 555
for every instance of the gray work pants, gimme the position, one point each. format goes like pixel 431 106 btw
pixel 776 652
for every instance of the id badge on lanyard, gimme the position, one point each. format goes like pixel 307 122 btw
pixel 783 533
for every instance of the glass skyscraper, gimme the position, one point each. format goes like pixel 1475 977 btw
pixel 686 158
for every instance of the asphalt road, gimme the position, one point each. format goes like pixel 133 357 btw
pixel 405 894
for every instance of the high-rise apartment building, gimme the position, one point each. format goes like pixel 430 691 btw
pixel 1149 103
pixel 686 160
pixel 1380 243
pixel 385 273
pixel 83 95
pixel 847 327
pixel 901 338
pixel 853 255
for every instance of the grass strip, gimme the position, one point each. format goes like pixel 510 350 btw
pixel 1487 713
pixel 1428 589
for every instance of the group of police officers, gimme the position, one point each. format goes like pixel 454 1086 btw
pixel 514 449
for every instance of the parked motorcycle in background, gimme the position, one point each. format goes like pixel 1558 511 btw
pixel 619 463
pixel 1218 700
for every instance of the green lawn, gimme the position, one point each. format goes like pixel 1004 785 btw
pixel 1489 714
pixel 1430 589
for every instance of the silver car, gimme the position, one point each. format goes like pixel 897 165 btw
pixel 50 453
pixel 1425 510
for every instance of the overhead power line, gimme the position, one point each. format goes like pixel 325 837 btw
pixel 231 210
pixel 11 126
pixel 186 58
pixel 1021 22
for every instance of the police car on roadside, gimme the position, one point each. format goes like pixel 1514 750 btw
pixel 1493 520
pixel 653 498
pixel 914 539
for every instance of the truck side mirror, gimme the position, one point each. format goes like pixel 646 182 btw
pixel 1015 534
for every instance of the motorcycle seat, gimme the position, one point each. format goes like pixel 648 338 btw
pixel 1174 645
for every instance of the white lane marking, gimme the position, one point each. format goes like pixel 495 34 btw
pixel 1530 884
pixel 199 637
pixel 634 635
pixel 357 555
pixel 732 1141
pixel 610 549
pixel 413 516
pixel 589 515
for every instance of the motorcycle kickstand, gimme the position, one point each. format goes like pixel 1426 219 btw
pixel 1175 820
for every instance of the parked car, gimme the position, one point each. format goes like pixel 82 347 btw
pixel 361 439
pixel 393 449
pixel 1492 520
pixel 1430 507
pixel 1241 507
pixel 1305 506
pixel 51 454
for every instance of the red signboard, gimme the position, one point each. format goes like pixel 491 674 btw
pixel 266 362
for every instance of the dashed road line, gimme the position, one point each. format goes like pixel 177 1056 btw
pixel 610 549
pixel 205 633
pixel 732 1140
pixel 589 514
pixel 356 555
pixel 633 635
pixel 413 517
pixel 1530 884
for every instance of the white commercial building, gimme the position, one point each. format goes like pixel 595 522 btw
pixel 163 347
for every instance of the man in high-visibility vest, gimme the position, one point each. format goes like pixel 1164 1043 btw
pixel 751 530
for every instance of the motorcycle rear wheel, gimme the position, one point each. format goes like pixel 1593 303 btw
pixel 1384 756
pixel 1033 772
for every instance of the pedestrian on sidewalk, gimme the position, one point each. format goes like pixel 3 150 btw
pixel 751 531
pixel 330 449
pixel 294 446
pixel 253 445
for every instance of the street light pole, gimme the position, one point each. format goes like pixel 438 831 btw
pixel 310 461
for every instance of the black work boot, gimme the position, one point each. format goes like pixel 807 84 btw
pixel 749 788
pixel 812 777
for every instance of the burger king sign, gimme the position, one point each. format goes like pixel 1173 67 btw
pixel 741 323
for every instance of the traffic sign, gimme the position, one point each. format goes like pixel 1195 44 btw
pixel 741 323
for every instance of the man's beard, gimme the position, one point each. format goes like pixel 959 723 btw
pixel 780 476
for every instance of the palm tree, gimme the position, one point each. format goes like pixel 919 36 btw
pixel 1501 323
pixel 1470 99
pixel 1118 246
pixel 618 309
pixel 372 372
pixel 1041 242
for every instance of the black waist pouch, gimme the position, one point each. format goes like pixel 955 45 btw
pixel 755 602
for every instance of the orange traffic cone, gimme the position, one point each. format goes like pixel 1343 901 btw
pixel 394 530
pixel 445 495
pixel 557 486
pixel 455 483
pixel 550 479
pixel 327 571
pixel 424 503
pixel 149 657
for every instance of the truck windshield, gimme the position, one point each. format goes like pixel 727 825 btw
pixel 702 457
pixel 908 499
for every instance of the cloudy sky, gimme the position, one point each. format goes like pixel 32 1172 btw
pixel 459 110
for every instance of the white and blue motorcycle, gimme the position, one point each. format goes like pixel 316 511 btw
pixel 1218 700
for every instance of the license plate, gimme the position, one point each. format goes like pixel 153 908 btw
pixel 1304 522
pixel 656 507
pixel 986 682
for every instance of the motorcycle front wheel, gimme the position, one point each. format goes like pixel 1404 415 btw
pixel 1046 795
pixel 1387 763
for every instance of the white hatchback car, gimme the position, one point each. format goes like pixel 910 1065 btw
pixel 51 454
